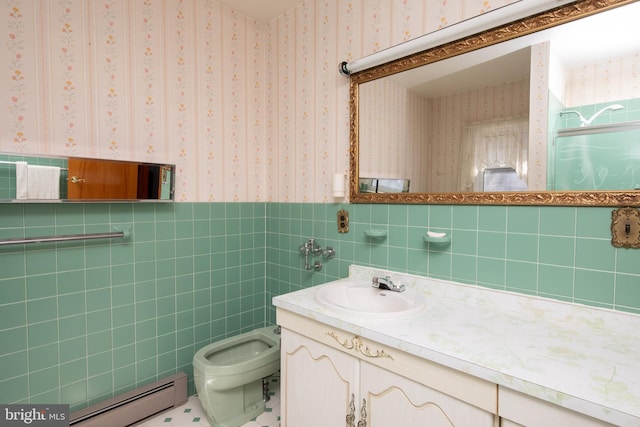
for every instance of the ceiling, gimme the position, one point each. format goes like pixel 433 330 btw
pixel 262 10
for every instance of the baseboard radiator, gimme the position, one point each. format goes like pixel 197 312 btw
pixel 134 406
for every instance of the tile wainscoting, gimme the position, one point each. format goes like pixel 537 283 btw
pixel 82 321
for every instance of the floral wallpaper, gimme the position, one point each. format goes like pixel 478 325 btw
pixel 612 79
pixel 249 111
pixel 393 148
pixel 539 132
pixel 169 81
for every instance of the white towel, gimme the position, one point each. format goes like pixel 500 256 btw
pixel 43 182
pixel 22 181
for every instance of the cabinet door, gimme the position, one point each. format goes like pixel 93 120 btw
pixel 393 400
pixel 319 384
pixel 102 179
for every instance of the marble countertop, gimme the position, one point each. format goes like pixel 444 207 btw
pixel 581 358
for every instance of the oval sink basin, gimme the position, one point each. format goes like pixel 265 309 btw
pixel 359 297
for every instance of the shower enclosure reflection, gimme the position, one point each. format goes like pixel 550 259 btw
pixel 602 157
pixel 587 122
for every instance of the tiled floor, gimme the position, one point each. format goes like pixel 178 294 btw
pixel 192 414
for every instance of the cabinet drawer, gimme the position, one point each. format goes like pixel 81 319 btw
pixel 475 391
pixel 527 411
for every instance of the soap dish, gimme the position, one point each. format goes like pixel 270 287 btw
pixel 377 233
pixel 437 238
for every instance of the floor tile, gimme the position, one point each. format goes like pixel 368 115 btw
pixel 191 413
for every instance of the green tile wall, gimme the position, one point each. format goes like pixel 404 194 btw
pixel 80 322
pixel 563 253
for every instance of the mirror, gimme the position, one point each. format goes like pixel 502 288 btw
pixel 74 179
pixel 511 97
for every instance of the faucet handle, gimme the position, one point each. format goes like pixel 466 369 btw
pixel 328 252
pixel 381 281
pixel 386 283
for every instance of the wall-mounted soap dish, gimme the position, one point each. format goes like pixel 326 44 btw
pixel 376 233
pixel 437 238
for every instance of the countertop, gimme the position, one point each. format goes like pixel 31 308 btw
pixel 582 358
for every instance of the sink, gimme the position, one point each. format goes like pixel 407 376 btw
pixel 359 297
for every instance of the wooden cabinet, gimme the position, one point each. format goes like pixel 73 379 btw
pixel 519 410
pixel 102 179
pixel 92 179
pixel 333 378
pixel 317 382
pixel 393 400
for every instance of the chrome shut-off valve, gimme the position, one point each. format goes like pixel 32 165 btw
pixel 310 247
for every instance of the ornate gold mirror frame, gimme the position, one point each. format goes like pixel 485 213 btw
pixel 542 21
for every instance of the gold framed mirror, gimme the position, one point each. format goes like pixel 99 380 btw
pixel 549 193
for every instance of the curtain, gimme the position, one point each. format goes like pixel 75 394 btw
pixel 491 145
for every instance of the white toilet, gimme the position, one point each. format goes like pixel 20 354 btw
pixel 228 375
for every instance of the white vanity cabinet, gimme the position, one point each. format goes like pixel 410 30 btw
pixel 317 382
pixel 393 400
pixel 333 378
pixel 471 357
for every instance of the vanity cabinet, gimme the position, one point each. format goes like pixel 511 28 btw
pixel 318 382
pixel 333 378
pixel 393 400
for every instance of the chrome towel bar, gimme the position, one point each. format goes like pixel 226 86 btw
pixel 62 238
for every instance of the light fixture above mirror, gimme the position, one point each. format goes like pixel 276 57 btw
pixel 541 162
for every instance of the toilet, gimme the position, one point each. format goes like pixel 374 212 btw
pixel 228 375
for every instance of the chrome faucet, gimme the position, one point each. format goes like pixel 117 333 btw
pixel 386 284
